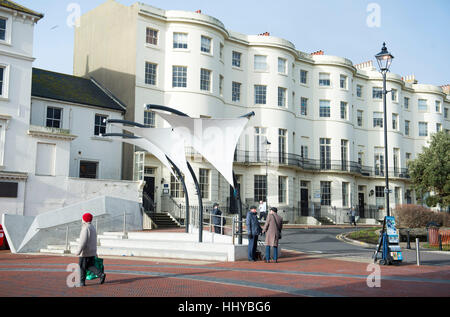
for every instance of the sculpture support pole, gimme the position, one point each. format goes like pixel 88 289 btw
pixel 237 196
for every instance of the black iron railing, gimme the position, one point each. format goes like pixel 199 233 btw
pixel 295 160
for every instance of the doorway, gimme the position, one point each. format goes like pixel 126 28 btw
pixel 304 207
pixel 149 193
pixel 361 205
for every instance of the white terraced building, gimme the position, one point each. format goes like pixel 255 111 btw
pixel 322 115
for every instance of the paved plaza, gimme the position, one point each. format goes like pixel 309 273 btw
pixel 296 275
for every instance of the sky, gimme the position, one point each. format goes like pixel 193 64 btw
pixel 416 31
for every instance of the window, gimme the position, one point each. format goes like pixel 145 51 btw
pixel 282 133
pixel 8 189
pixel 304 106
pixel 100 124
pixel 2 80
pixel 445 112
pixel 152 36
pixel 281 97
pixel 378 119
pixel 150 73
pixel 54 117
pixel 303 76
pixel 344 154
pixel 236 91
pixel 204 183
pixel 394 94
pixel 360 158
pixel 2 29
pixel 324 109
pixel 359 118
pixel 205 79
pixel 394 121
pixel 282 65
pixel 45 159
pixel 282 189
pixel 406 102
pixel 176 188
pixel 221 52
pixel 324 79
pixel 359 91
pixel 377 93
pixel 343 82
pixel 179 76
pixel 180 40
pixel 260 187
pixel 261 145
pixel 304 151
pixel 205 44
pixel 408 157
pixel 260 62
pixel 221 85
pixel 260 94
pixel 438 127
pixel 343 110
pixel 423 129
pixel 423 105
pixel 149 119
pixel 236 59
pixel 379 161
pixel 345 193
pixel 325 193
pixel 379 196
pixel 325 154
pixel 438 106
pixel 396 161
pixel 88 169
pixel 407 123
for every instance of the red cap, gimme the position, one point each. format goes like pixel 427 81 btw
pixel 87 217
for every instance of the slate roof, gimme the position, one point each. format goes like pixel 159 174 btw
pixel 68 88
pixel 12 5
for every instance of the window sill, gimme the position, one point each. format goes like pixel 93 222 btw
pixel 304 85
pixel 4 98
pixel 207 54
pixel 184 50
pixel 156 47
pixel 99 138
pixel 6 43
pixel 237 68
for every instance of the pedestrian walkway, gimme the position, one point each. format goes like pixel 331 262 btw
pixel 296 274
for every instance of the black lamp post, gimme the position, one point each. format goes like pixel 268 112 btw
pixel 267 143
pixel 384 59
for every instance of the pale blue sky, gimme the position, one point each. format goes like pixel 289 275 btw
pixel 416 31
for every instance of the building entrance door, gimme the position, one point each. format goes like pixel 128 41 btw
pixel 149 193
pixel 361 205
pixel 304 202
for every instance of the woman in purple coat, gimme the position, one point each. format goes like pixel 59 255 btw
pixel 272 229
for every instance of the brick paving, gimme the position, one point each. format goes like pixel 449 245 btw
pixel 296 275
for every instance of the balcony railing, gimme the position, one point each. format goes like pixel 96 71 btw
pixel 295 160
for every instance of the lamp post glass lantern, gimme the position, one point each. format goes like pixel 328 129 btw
pixel 384 59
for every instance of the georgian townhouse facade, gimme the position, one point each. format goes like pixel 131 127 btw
pixel 316 141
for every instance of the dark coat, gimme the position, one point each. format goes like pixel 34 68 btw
pixel 274 221
pixel 253 227
pixel 216 213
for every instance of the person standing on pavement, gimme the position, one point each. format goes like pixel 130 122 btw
pixel 262 210
pixel 216 218
pixel 87 250
pixel 353 216
pixel 253 231
pixel 272 229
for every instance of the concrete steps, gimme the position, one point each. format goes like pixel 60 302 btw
pixel 159 245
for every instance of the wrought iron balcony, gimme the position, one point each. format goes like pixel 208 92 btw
pixel 295 160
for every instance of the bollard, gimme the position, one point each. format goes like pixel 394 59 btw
pixel 124 223
pixel 440 242
pixel 417 252
pixel 408 244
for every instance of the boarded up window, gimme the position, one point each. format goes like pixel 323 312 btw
pixel 88 169
pixel 45 159
pixel 8 190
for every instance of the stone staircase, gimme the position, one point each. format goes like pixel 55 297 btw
pixel 168 245
pixel 163 221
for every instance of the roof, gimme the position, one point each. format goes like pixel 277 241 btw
pixel 68 88
pixel 14 6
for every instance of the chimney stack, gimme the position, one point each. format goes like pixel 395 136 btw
pixel 264 34
pixel 318 53
pixel 198 11
pixel 365 65
pixel 446 89
pixel 410 79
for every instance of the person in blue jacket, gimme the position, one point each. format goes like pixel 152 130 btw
pixel 253 231
pixel 216 218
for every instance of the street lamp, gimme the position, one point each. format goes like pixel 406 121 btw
pixel 267 143
pixel 384 59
